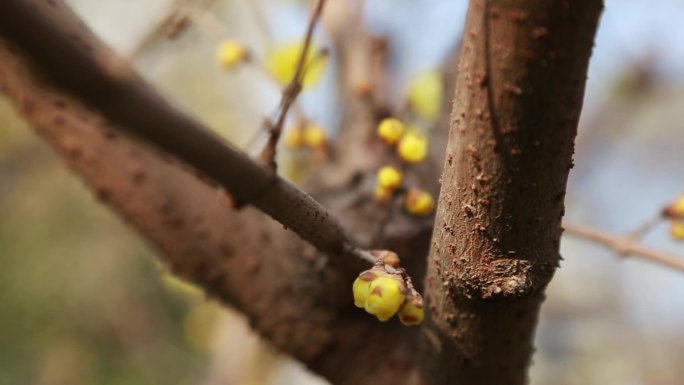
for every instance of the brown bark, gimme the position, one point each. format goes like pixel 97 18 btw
pixel 296 297
pixel 292 294
pixel 522 71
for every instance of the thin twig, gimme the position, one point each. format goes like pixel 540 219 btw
pixel 646 227
pixel 171 23
pixel 207 23
pixel 379 235
pixel 625 246
pixel 264 31
pixel 290 93
pixel 361 254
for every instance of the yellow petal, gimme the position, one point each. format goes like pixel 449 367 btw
pixel 425 94
pixel 361 287
pixel 419 202
pixel 314 136
pixel 282 61
pixel 230 53
pixel 412 312
pixel 294 138
pixel 413 147
pixel 390 130
pixel 677 207
pixel 389 178
pixel 677 230
pixel 385 297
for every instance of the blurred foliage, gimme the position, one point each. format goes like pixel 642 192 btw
pixel 81 298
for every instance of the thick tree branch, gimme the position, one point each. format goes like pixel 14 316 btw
pixel 298 299
pixel 519 94
pixel 291 293
pixel 73 59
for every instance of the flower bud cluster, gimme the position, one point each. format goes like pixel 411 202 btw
pixel 385 291
pixel 412 148
pixel 310 135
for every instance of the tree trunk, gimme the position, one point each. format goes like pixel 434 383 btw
pixel 520 85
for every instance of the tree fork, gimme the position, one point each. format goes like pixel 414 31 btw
pixel 289 291
pixel 520 85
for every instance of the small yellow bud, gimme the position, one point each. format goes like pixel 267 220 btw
pixel 385 297
pixel 361 287
pixel 425 94
pixel 389 178
pixel 294 138
pixel 314 136
pixel 677 230
pixel 390 130
pixel 382 194
pixel 676 209
pixel 419 202
pixel 413 147
pixel 282 61
pixel 230 53
pixel 412 312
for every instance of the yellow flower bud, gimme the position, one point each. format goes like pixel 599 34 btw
pixel 230 53
pixel 294 138
pixel 419 202
pixel 382 194
pixel 361 287
pixel 413 147
pixel 676 209
pixel 412 312
pixel 282 61
pixel 385 297
pixel 314 136
pixel 677 230
pixel 425 94
pixel 389 178
pixel 390 130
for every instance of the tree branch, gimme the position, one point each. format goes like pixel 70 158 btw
pixel 298 299
pixel 625 246
pixel 495 245
pixel 76 62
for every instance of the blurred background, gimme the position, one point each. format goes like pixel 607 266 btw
pixel 84 301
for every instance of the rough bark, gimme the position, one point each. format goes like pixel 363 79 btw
pixel 293 295
pixel 522 71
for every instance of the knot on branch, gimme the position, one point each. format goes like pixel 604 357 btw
pixel 495 280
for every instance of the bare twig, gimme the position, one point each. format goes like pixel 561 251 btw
pixel 172 22
pixel 360 254
pixel 255 8
pixel 646 227
pixel 625 246
pixel 211 26
pixel 290 93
